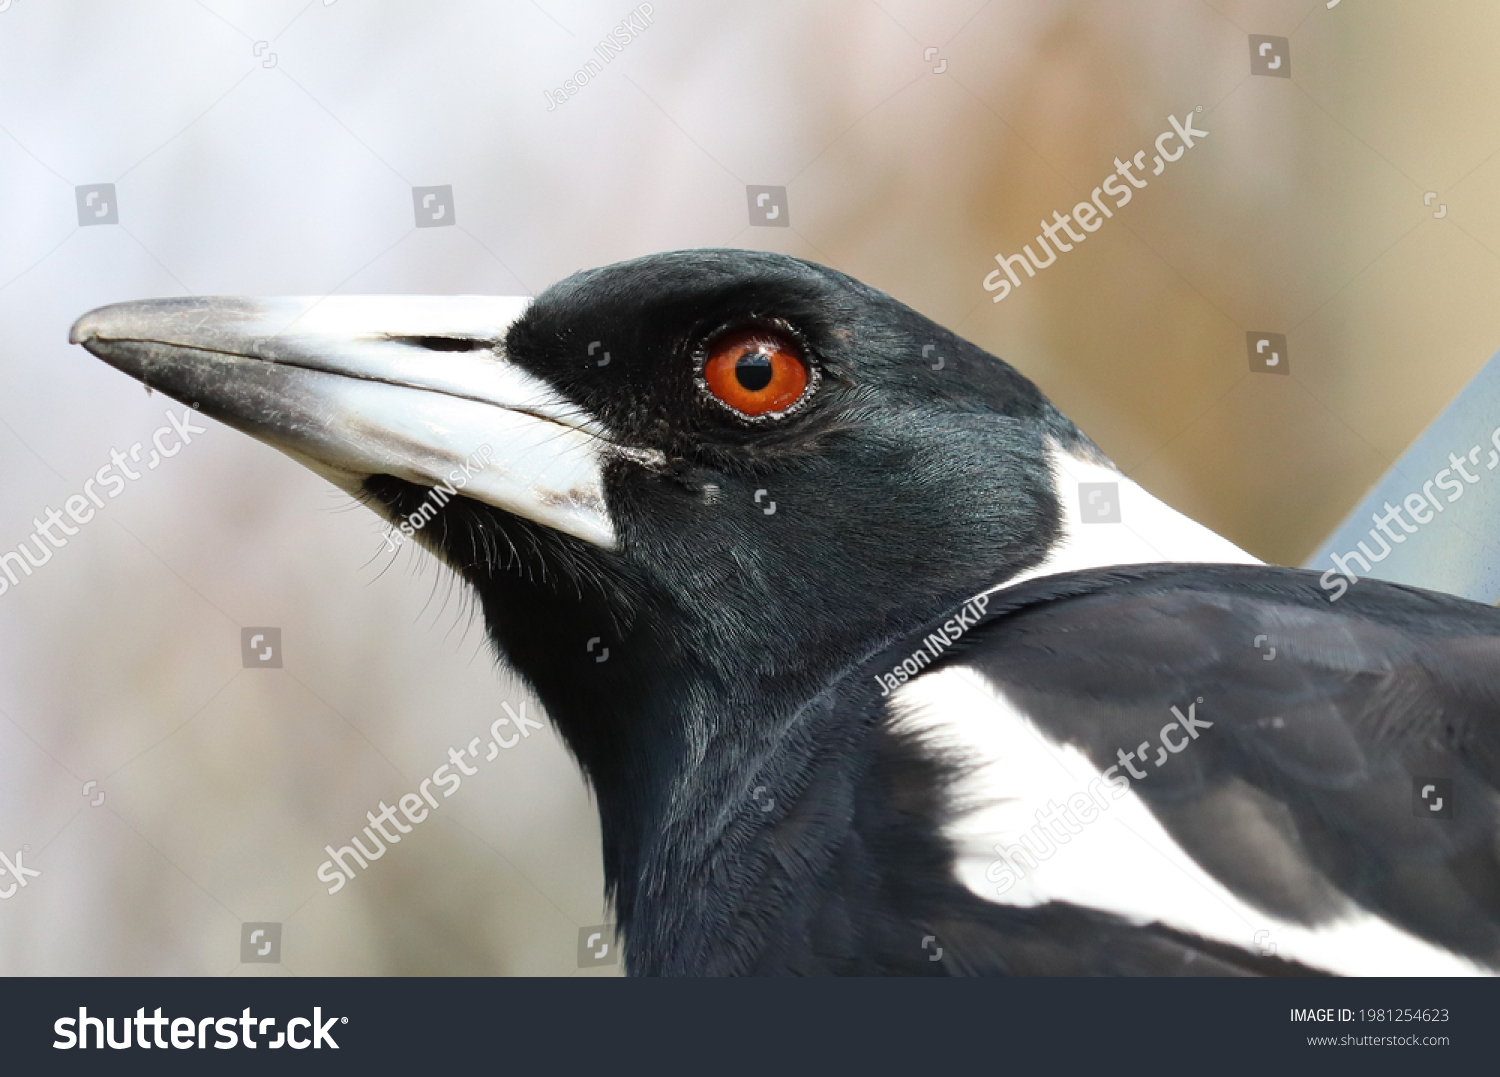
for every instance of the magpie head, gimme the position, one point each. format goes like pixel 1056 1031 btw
pixel 802 446
pixel 737 472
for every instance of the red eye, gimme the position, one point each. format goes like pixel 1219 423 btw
pixel 755 371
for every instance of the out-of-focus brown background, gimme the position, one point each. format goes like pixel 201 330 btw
pixel 270 147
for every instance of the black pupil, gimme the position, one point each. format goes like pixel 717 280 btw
pixel 753 370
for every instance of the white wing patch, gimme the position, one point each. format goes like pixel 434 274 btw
pixel 1016 846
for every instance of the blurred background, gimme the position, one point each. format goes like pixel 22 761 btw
pixel 171 794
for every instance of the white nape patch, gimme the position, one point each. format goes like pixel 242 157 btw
pixel 1121 860
pixel 1148 530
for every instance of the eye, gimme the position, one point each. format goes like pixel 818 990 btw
pixel 756 372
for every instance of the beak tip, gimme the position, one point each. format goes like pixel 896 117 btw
pixel 83 330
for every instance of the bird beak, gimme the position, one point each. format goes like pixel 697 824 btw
pixel 354 386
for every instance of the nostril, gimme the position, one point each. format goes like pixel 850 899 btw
pixel 446 344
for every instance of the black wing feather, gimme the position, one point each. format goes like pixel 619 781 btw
pixel 1300 797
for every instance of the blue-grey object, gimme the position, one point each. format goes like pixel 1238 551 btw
pixel 1456 550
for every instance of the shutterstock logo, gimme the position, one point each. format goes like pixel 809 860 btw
pixel 260 648
pixel 433 206
pixel 1106 199
pixel 192 1033
pixel 97 204
pixel 82 506
pixel 596 946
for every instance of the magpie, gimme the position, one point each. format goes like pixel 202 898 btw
pixel 875 664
